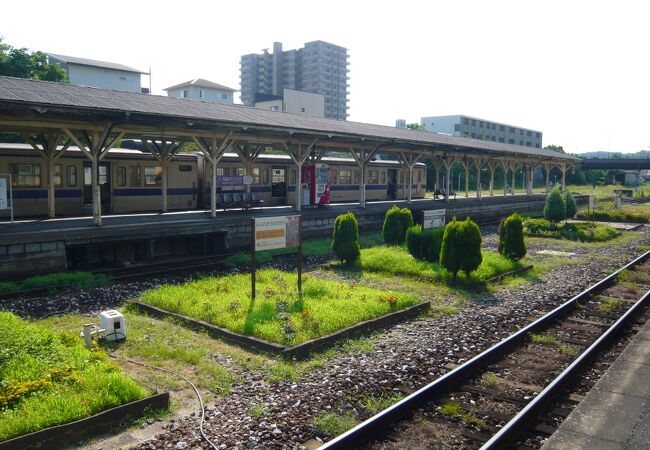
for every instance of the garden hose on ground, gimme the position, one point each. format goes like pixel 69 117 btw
pixel 196 391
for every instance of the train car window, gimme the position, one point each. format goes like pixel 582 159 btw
pixel 25 175
pixel 58 179
pixel 184 168
pixel 241 171
pixel 121 176
pixel 103 175
pixel 136 176
pixel 373 177
pixel 419 176
pixel 221 171
pixel 265 176
pixel 345 176
pixel 357 177
pixel 152 176
pixel 293 176
pixel 72 176
pixel 256 175
pixel 332 176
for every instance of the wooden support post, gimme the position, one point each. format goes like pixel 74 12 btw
pixel 95 148
pixel 479 166
pixel 492 168
pixel 299 154
pixel 514 171
pixel 363 156
pixel 213 152
pixel 299 262
pixel 564 169
pixel 505 177
pixel 547 169
pixel 252 258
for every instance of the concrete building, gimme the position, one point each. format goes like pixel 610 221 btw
pixel 319 67
pixel 293 101
pixel 487 130
pixel 400 123
pixel 200 89
pixel 101 74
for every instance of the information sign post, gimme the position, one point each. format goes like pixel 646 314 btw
pixel 276 232
pixel 434 218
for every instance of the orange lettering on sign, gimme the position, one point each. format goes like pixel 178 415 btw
pixel 269 234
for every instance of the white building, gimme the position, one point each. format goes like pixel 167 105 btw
pixel 101 74
pixel 293 101
pixel 200 89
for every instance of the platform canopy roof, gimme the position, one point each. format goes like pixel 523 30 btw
pixel 30 104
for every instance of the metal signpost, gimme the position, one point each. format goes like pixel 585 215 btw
pixel 6 187
pixel 276 232
pixel 434 218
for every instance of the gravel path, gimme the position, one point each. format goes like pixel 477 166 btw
pixel 404 358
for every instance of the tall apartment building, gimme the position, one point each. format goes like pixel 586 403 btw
pixel 486 130
pixel 319 67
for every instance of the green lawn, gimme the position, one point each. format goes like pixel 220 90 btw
pixel 49 378
pixel 278 314
pixel 58 279
pixel 396 260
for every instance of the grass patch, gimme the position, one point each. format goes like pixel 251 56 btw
pixel 258 410
pixel 79 280
pixel 543 339
pixel 49 378
pixel 398 261
pixel 278 314
pixel 443 310
pixel 452 408
pixel 374 404
pixel 568 350
pixel 582 232
pixel 489 380
pixel 333 424
pixel 164 343
pixel 613 216
pixel 608 305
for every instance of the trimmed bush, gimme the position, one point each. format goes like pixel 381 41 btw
pixel 461 247
pixel 406 219
pixel 414 241
pixel 571 207
pixel 555 207
pixel 613 216
pixel 471 256
pixel 396 223
pixel 431 243
pixel 511 238
pixel 345 242
pixel 536 226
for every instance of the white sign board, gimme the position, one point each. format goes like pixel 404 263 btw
pixel 592 202
pixel 434 218
pixel 4 204
pixel 277 232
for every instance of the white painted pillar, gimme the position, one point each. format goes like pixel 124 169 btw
pixel 410 184
pixel 505 180
pixel 97 195
pixel 447 182
pixel 362 187
pixel 298 200
pixel 491 180
pixel 564 177
pixel 164 165
pixel 547 169
pixel 51 209
pixel 213 187
pixel 478 180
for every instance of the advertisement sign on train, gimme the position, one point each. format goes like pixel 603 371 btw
pixel 236 180
pixel 4 204
pixel 434 218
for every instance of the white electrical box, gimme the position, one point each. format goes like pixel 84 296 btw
pixel 113 322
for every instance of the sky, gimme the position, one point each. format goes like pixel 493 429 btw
pixel 579 71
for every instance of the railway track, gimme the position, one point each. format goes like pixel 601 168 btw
pixel 516 393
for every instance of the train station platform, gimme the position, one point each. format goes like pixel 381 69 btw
pixel 39 246
pixel 615 414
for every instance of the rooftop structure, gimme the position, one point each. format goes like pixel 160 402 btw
pixel 294 102
pixel 472 127
pixel 319 67
pixel 201 89
pixel 101 74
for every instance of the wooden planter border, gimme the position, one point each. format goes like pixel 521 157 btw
pixel 297 351
pixel 69 433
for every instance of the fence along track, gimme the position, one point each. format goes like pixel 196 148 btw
pixel 383 422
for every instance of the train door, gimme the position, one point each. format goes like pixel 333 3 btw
pixel 391 188
pixel 104 180
pixel 278 185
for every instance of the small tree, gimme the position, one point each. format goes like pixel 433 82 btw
pixel 451 249
pixel 571 207
pixel 406 219
pixel 555 208
pixel 414 241
pixel 392 232
pixel 511 238
pixel 471 256
pixel 431 243
pixel 345 242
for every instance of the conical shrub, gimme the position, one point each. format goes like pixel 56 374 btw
pixel 345 242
